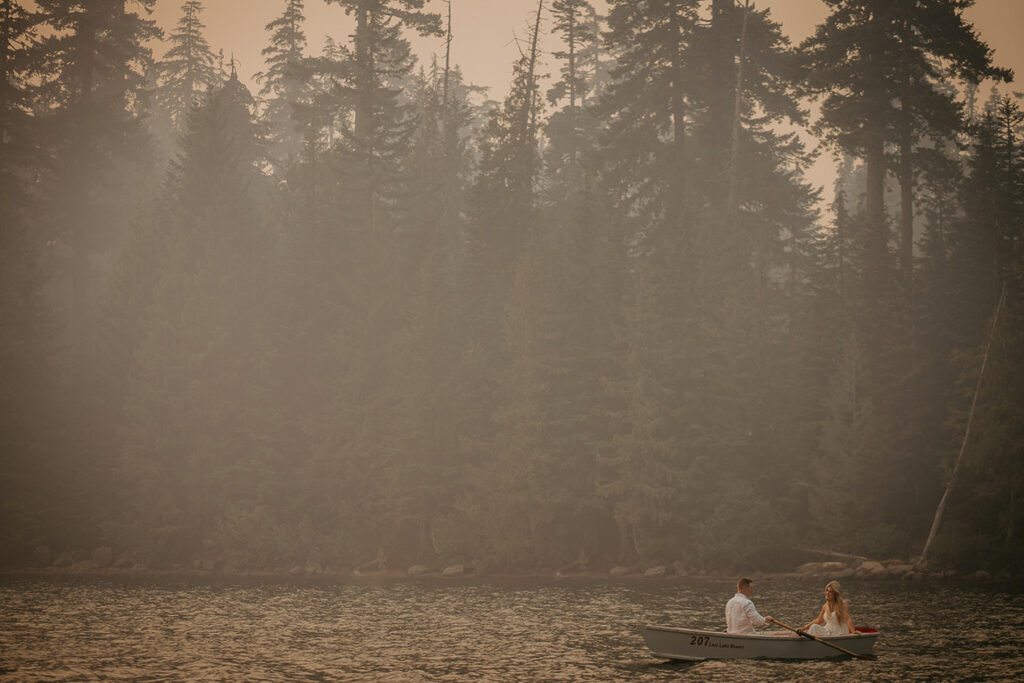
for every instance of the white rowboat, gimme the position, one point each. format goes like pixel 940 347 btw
pixel 694 644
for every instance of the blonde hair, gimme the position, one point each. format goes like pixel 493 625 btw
pixel 840 604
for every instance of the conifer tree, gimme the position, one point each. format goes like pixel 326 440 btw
pixel 882 67
pixel 972 283
pixel 502 200
pixel 652 103
pixel 95 57
pixel 89 101
pixel 34 487
pixel 198 374
pixel 378 59
pixel 879 62
pixel 285 84
pixel 432 405
pixel 187 70
pixel 20 155
pixel 570 129
pixel 574 21
pixel 699 173
pixel 856 455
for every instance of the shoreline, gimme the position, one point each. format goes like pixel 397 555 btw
pixel 353 577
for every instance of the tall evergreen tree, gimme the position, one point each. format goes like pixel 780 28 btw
pixel 187 70
pixel 650 108
pixel 695 167
pixel 650 99
pixel 285 85
pixel 96 56
pixel 20 156
pixel 192 452
pixel 878 60
pixel 34 490
pixel 572 129
pixel 90 106
pixel 502 199
pixel 379 58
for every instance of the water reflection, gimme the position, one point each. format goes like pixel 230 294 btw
pixel 490 631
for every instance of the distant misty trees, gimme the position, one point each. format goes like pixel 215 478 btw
pixel 366 319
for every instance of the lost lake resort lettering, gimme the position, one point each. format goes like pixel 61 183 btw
pixel 706 641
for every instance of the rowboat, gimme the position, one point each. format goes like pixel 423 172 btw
pixel 693 644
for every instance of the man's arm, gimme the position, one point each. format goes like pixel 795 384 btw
pixel 751 611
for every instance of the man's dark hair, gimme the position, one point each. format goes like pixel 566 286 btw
pixel 743 583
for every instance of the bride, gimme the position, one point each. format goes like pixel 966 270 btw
pixel 834 618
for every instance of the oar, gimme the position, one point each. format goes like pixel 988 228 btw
pixel 805 634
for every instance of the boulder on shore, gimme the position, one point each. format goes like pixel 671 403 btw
pixel 821 568
pixel 655 571
pixel 899 569
pixel 872 568
pixel 618 571
pixel 454 570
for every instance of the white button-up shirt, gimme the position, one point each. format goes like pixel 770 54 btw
pixel 741 616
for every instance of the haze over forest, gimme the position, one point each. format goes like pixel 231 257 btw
pixel 362 316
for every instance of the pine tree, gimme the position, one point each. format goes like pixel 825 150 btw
pixel 187 71
pixel 89 102
pixel 502 200
pixel 20 156
pixel 193 447
pixel 882 67
pixel 101 153
pixel 573 129
pixel 651 99
pixel 856 456
pixel 704 185
pixel 984 515
pixel 878 60
pixel 430 407
pixel 35 491
pixel 285 83
pixel 379 58
pixel 577 23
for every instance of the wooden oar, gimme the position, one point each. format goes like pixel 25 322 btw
pixel 805 634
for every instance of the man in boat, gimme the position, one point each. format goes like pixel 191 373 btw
pixel 740 614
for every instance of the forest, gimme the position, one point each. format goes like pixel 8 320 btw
pixel 361 316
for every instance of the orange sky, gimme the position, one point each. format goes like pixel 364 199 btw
pixel 484 30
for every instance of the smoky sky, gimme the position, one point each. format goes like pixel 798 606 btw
pixel 485 30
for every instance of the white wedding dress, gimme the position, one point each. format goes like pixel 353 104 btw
pixel 831 627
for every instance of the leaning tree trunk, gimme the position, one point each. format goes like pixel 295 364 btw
pixel 967 433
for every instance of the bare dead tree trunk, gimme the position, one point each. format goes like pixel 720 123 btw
pixel 447 70
pixel 967 433
pixel 529 108
pixel 364 124
pixel 737 116
pixel 678 200
pixel 531 78
pixel 906 171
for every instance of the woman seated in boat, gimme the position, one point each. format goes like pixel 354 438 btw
pixel 834 617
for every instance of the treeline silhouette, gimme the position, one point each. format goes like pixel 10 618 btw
pixel 365 317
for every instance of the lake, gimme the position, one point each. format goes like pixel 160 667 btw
pixel 153 629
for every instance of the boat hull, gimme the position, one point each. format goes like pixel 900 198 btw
pixel 695 645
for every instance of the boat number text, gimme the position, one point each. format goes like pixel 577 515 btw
pixel 700 640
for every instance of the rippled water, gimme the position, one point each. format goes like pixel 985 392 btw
pixel 73 630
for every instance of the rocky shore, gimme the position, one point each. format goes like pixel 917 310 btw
pixel 102 561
